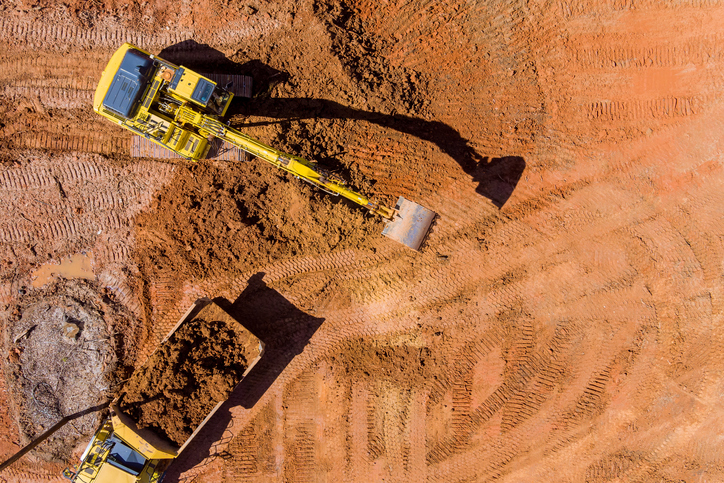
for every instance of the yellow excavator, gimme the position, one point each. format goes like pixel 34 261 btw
pixel 181 110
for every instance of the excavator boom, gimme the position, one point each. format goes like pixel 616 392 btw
pixel 180 110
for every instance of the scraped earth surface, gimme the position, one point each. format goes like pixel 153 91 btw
pixel 563 321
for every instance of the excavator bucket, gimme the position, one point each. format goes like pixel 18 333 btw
pixel 411 223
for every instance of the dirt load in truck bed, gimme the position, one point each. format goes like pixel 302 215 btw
pixel 196 368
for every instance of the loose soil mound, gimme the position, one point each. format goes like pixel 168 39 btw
pixel 194 370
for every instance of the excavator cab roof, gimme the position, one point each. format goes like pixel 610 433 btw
pixel 129 83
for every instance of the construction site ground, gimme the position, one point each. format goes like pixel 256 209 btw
pixel 562 323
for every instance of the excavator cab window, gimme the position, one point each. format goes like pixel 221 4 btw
pixel 125 458
pixel 218 102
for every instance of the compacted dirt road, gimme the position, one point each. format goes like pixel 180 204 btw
pixel 563 321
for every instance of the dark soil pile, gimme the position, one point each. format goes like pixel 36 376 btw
pixel 194 370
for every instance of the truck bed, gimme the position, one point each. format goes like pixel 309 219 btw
pixel 190 374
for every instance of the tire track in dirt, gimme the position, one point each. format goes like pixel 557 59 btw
pixel 88 143
pixel 57 82
pixel 251 456
pixel 168 300
pixel 673 107
pixel 700 50
pixel 58 35
pixel 637 53
pixel 23 472
pixel 458 382
pixel 358 464
pixel 333 450
pixel 374 431
pixel 584 8
pixel 106 208
pixel 300 429
pixel 417 465
pixel 244 463
pixel 393 423
pixel 73 95
pixel 123 290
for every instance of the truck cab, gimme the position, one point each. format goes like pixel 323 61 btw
pixel 108 458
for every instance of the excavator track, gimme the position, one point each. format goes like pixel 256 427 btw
pixel 220 150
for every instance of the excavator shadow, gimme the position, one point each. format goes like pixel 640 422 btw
pixel 497 178
pixel 285 331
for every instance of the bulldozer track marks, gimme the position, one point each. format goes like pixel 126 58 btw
pixel 578 8
pixel 89 143
pixel 655 109
pixel 118 284
pixel 699 51
pixel 58 35
pixel 244 448
pixel 612 466
pixel 163 293
pixel 358 429
pixel 53 97
pixel 300 429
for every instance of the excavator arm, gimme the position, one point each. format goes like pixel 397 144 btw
pixel 296 165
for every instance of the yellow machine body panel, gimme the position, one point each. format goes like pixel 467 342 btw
pixel 187 85
pixel 109 458
pixel 141 440
pixel 111 474
pixel 141 92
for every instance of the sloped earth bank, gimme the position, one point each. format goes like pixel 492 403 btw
pixel 190 373
pixel 563 321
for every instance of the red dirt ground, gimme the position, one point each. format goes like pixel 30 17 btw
pixel 563 321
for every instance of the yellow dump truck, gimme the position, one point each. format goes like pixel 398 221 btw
pixel 123 452
pixel 181 110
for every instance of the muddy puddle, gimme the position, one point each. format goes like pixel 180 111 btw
pixel 75 266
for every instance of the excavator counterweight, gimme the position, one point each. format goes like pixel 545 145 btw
pixel 182 111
